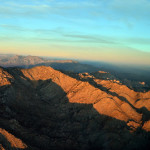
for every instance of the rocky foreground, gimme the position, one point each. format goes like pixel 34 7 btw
pixel 43 109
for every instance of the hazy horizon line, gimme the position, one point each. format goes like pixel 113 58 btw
pixel 79 60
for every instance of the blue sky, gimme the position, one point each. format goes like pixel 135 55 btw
pixel 105 30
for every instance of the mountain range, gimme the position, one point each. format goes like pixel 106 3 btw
pixel 43 108
pixel 31 61
pixel 136 79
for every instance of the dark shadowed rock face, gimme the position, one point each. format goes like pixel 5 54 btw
pixel 42 108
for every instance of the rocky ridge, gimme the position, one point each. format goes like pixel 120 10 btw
pixel 78 111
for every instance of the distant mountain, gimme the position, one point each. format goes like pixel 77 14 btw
pixel 43 108
pixel 132 77
pixel 31 61
pixel 19 61
pixel 26 61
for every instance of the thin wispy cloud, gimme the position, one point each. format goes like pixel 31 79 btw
pixel 87 23
pixel 66 36
pixel 62 35
pixel 90 38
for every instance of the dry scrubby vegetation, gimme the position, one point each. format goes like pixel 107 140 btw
pixel 48 109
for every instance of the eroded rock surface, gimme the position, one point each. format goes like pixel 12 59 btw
pixel 47 109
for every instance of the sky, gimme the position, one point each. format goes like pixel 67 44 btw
pixel 115 31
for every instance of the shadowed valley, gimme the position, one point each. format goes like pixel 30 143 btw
pixel 43 108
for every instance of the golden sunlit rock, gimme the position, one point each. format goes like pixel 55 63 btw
pixel 13 141
pixel 55 106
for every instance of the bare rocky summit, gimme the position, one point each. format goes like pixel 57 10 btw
pixel 44 108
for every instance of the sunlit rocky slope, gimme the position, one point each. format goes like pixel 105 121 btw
pixel 42 108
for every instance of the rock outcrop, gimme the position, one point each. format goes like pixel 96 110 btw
pixel 48 109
